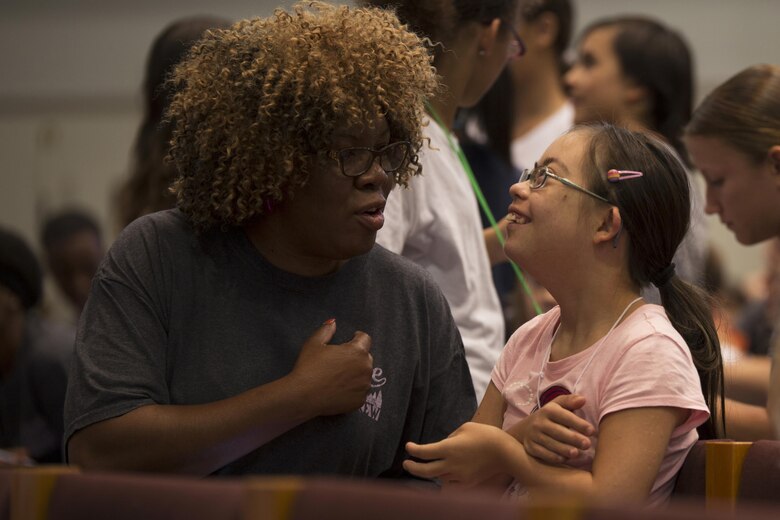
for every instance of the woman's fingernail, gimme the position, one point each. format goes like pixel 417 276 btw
pixel 330 321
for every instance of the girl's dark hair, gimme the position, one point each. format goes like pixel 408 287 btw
pixel 531 10
pixel 655 211
pixel 659 59
pixel 147 188
pixel 495 111
pixel 439 20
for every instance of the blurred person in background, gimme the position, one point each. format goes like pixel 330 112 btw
pixel 514 122
pixel 733 139
pixel 147 189
pixel 638 73
pixel 436 222
pixel 73 248
pixel 34 359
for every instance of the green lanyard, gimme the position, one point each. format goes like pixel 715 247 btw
pixel 455 147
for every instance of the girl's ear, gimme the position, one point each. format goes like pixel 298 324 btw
pixel 488 37
pixel 610 229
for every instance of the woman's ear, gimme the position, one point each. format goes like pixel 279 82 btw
pixel 488 37
pixel 610 228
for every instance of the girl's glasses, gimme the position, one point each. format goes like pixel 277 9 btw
pixel 538 176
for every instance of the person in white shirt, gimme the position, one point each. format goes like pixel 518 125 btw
pixel 436 221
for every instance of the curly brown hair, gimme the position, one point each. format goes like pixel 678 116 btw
pixel 256 102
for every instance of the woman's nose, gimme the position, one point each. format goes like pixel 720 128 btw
pixel 375 177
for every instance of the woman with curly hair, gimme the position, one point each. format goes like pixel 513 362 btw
pixel 436 222
pixel 257 328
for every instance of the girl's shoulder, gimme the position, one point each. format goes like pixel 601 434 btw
pixel 649 323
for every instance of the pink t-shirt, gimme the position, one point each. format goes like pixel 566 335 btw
pixel 643 362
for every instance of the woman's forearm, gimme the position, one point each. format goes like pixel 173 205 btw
pixel 195 439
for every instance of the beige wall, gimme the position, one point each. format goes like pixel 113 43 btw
pixel 70 73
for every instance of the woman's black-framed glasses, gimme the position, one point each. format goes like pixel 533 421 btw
pixel 538 176
pixel 356 161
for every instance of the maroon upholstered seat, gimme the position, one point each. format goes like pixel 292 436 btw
pixel 690 484
pixel 760 479
pixel 115 496
pixel 326 499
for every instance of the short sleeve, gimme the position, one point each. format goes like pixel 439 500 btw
pixel 119 362
pixel 506 361
pixel 451 398
pixel 655 371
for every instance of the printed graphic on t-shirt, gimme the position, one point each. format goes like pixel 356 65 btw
pixel 520 393
pixel 550 394
pixel 373 405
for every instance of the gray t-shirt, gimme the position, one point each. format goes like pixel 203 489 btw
pixel 177 319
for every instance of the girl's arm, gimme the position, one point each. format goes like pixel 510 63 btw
pixel 632 444
pixel 491 412
pixel 554 433
pixel 746 422
pixel 491 409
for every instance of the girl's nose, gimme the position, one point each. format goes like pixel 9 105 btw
pixel 520 189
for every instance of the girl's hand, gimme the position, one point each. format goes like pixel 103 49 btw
pixel 554 434
pixel 471 455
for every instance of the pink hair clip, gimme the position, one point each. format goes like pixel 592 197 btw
pixel 621 175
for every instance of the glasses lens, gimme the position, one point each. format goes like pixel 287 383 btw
pixel 525 175
pixel 538 176
pixel 355 161
pixel 392 157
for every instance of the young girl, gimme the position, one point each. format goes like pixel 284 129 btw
pixel 599 217
pixel 734 140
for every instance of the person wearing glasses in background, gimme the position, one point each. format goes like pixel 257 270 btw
pixel 513 124
pixel 257 328
pixel 436 221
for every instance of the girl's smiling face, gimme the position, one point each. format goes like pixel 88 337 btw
pixel 551 225
pixel 743 193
